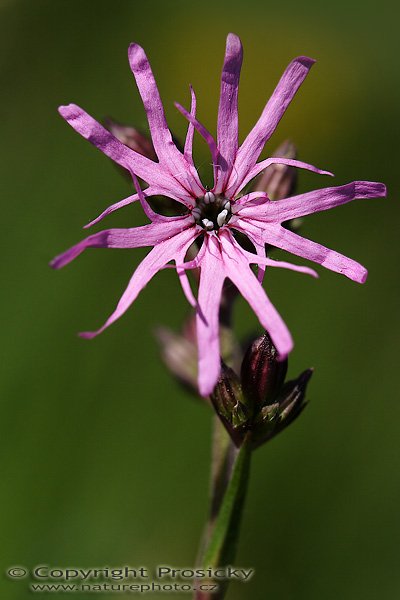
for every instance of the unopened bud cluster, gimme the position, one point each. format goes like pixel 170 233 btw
pixel 259 400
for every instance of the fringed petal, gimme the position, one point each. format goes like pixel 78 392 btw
pixel 274 110
pixel 330 259
pixel 136 237
pixel 311 202
pixel 237 185
pixel 238 270
pixel 212 277
pixel 188 150
pixel 219 164
pixel 150 265
pixel 227 128
pixel 100 137
pixel 168 154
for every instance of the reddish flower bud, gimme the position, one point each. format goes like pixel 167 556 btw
pixel 262 374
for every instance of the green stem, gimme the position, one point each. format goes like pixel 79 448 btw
pixel 224 525
pixel 223 454
pixel 223 457
pixel 221 548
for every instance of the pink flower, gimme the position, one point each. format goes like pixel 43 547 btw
pixel 214 215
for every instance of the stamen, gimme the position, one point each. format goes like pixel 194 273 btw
pixel 209 197
pixel 196 212
pixel 209 225
pixel 221 218
pixel 212 211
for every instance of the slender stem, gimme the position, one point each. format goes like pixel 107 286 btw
pixel 223 453
pixel 229 492
pixel 221 548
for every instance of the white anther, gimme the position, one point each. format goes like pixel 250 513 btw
pixel 196 212
pixel 209 225
pixel 227 205
pixel 209 197
pixel 222 217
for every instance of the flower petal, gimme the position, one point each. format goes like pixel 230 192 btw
pixel 261 254
pixel 136 237
pixel 168 154
pixel 112 208
pixel 227 128
pixel 150 265
pixel 100 137
pixel 312 202
pixel 148 192
pixel 261 259
pixel 257 242
pixel 183 278
pixel 212 277
pixel 239 272
pixel 274 110
pixel 196 262
pixel 219 164
pixel 188 150
pixel 292 267
pixel 291 242
pixel 252 198
pixel 148 211
pixel 273 160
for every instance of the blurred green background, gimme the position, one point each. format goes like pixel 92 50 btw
pixel 104 458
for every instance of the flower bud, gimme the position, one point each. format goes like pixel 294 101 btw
pixel 262 374
pixel 131 137
pixel 278 181
pixel 230 404
pixel 292 398
pixel 179 354
pixel 275 418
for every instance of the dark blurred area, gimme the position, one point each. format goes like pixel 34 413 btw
pixel 105 458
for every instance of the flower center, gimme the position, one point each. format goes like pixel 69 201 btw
pixel 212 211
